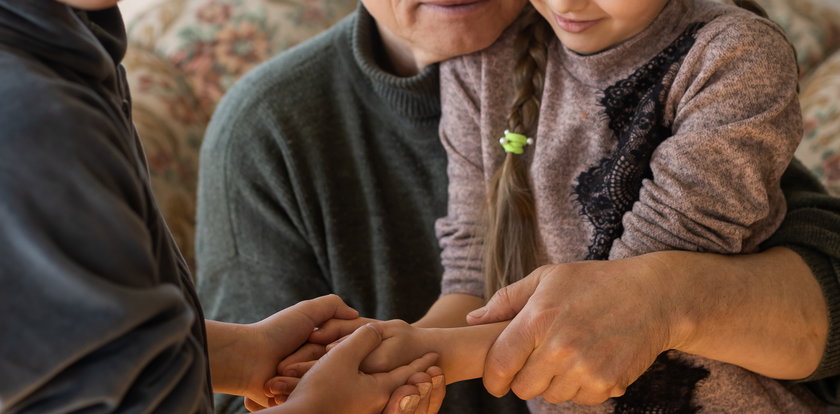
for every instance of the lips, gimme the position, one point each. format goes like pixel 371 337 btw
pixel 453 6
pixel 574 26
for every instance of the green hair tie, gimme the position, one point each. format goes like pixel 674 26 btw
pixel 515 143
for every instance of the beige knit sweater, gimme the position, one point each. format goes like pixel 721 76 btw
pixel 674 139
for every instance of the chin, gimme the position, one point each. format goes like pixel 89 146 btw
pixel 456 47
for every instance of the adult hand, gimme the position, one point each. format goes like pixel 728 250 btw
pixel 336 383
pixel 244 357
pixel 581 331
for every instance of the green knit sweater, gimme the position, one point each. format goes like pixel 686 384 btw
pixel 321 173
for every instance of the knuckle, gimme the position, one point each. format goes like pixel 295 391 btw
pixel 618 391
pixel 522 390
pixel 590 398
pixel 557 395
pixel 497 366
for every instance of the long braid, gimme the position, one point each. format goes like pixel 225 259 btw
pixel 510 250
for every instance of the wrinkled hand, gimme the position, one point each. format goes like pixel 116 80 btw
pixel 580 331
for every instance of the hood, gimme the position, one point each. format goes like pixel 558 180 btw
pixel 88 43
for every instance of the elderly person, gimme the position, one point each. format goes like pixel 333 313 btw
pixel 322 172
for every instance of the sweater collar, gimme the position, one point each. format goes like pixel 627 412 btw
pixel 89 44
pixel 415 97
pixel 618 62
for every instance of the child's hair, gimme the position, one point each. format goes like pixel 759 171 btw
pixel 510 242
pixel 510 249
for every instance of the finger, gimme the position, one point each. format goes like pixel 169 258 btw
pixel 356 347
pixel 400 375
pixel 591 396
pixel 537 373
pixel 324 308
pixel 333 329
pixel 298 370
pixel 334 343
pixel 560 389
pixel 507 356
pixel 507 301
pixel 307 352
pixel 438 390
pixel 403 400
pixel 252 406
pixel 281 386
pixel 423 382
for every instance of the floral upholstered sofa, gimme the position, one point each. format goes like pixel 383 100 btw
pixel 184 54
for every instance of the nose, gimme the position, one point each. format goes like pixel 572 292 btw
pixel 568 6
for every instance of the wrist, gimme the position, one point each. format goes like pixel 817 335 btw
pixel 668 277
pixel 222 348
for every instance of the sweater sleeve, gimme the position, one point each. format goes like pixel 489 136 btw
pixel 87 324
pixel 458 232
pixel 715 181
pixel 812 229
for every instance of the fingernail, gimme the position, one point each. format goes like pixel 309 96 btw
pixel 424 388
pixel 409 403
pixel 278 388
pixel 478 312
pixel 437 381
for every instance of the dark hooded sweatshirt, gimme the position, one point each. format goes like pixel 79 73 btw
pixel 97 310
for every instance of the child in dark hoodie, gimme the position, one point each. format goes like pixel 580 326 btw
pixel 97 308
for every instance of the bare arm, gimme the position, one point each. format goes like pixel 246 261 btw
pixel 764 312
pixel 461 350
pixel 450 311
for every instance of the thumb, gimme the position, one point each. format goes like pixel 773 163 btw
pixel 506 302
pixel 356 347
pixel 314 312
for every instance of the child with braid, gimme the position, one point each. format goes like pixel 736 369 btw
pixel 635 126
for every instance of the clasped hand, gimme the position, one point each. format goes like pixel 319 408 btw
pixel 422 393
pixel 580 332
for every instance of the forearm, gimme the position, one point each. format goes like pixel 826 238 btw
pixel 463 350
pixel 222 339
pixel 764 312
pixel 450 311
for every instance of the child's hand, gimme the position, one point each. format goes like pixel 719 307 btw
pixel 401 343
pixel 429 399
pixel 307 355
pixel 335 329
pixel 423 394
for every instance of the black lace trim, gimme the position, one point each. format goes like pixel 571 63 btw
pixel 666 388
pixel 635 109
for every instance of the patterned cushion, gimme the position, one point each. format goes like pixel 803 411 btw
pixel 183 55
pixel 812 27
pixel 820 148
